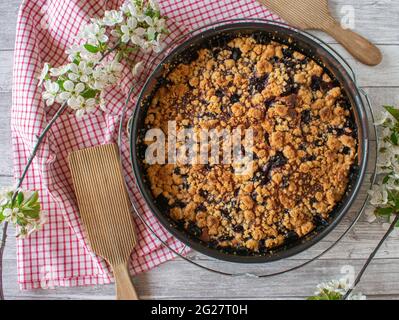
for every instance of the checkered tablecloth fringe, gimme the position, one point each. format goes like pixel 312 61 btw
pixel 58 255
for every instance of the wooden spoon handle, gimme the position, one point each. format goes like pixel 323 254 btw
pixel 361 48
pixel 123 282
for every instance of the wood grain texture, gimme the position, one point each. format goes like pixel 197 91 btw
pixel 377 20
pixel 379 12
pixel 8 22
pixel 104 207
pixel 315 15
pixel 357 45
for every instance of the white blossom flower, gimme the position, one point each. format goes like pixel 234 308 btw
pixel 103 102
pixel 51 92
pixel 338 286
pixel 154 5
pixel 74 51
pixel 7 212
pixel 82 105
pixel 337 289
pixel 394 174
pixel 44 73
pixel 157 44
pixel 151 33
pixel 137 37
pixel 160 24
pixel 392 184
pixel 138 68
pixel 24 211
pixel 112 17
pixel 56 72
pixel 382 117
pixel 99 79
pixel 90 57
pixel 370 215
pixel 12 215
pixel 107 74
pixel 71 89
pixel 387 167
pixel 94 34
pixel 148 20
pixel 379 196
pixel 81 82
pixel 6 195
pixel 385 159
pixel 80 72
pixel 130 8
pixel 128 29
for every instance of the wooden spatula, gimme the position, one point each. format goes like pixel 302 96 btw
pixel 105 210
pixel 315 15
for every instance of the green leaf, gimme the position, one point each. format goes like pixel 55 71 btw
pixel 396 203
pixel 130 49
pixel 32 199
pixel 391 196
pixel 20 198
pixel 384 211
pixel 33 207
pixel 36 207
pixel 61 84
pixel 139 3
pixel 314 298
pixel 393 111
pixel 91 48
pixel 34 214
pixel 89 93
pixel 150 12
pixel 21 221
pixel 394 138
pixel 326 295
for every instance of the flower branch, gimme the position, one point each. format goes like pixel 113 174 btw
pixel 79 85
pixel 384 198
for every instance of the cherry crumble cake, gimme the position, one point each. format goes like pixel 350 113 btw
pixel 304 151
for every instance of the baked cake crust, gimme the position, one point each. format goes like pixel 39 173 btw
pixel 305 144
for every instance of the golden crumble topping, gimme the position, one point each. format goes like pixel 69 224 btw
pixel 305 144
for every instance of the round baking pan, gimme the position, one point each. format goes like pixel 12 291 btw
pixel 263 31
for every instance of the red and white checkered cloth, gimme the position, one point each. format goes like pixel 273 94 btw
pixel 58 255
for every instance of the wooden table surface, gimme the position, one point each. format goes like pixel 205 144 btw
pixel 377 20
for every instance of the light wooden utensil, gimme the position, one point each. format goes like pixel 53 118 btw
pixel 105 210
pixel 315 15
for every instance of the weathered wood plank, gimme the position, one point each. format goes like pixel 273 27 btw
pixel 356 245
pixel 8 22
pixel 384 75
pixel 376 20
pixel 373 19
pixel 5 135
pixel 158 284
pixel 376 29
pixel 176 279
pixel 6 67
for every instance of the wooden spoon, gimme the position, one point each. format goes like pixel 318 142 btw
pixel 315 15
pixel 105 210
